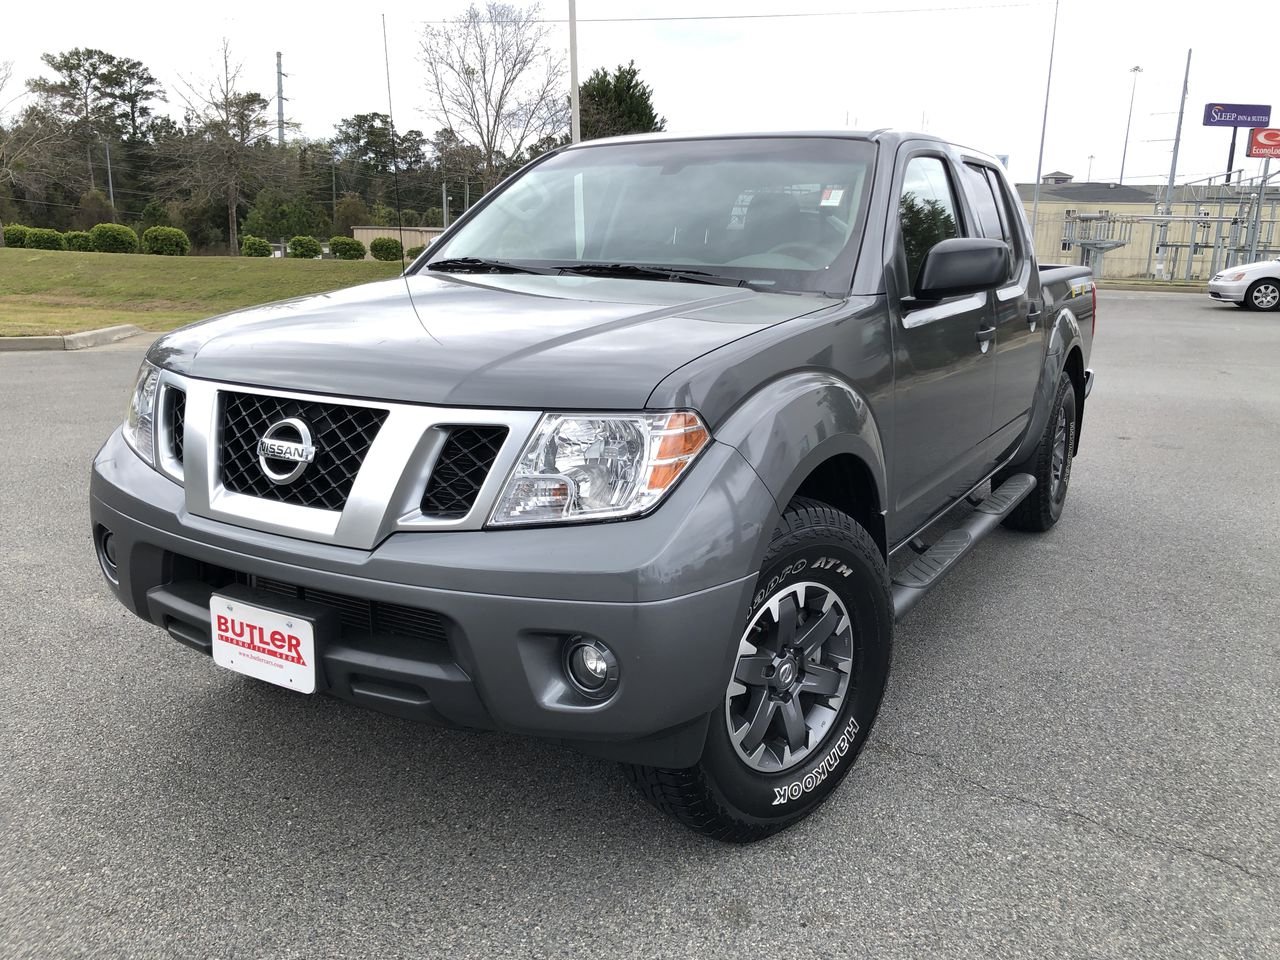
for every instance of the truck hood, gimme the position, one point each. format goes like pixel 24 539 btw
pixel 513 341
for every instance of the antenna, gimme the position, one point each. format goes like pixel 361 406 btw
pixel 395 159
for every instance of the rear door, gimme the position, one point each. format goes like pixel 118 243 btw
pixel 1020 329
pixel 944 370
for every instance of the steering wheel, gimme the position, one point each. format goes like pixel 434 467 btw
pixel 797 251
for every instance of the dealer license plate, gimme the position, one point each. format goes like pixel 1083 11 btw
pixel 272 646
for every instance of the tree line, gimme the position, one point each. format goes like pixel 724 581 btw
pixel 89 140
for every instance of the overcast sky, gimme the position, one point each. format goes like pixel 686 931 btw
pixel 968 70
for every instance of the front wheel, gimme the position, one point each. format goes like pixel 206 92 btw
pixel 805 685
pixel 1264 295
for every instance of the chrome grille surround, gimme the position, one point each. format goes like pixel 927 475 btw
pixel 386 492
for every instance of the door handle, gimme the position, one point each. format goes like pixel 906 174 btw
pixel 985 336
pixel 1033 317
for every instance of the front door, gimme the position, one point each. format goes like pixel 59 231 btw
pixel 943 355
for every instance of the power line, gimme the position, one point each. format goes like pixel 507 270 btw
pixel 761 16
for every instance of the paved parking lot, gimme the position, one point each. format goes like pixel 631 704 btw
pixel 1079 755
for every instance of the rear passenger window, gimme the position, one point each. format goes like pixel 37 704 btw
pixel 984 202
pixel 927 211
pixel 1010 218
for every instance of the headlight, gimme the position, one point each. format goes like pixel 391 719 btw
pixel 1236 276
pixel 140 424
pixel 579 467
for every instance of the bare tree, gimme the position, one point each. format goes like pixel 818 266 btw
pixel 495 82
pixel 225 146
pixel 27 140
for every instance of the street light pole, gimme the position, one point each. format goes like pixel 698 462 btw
pixel 575 125
pixel 1132 90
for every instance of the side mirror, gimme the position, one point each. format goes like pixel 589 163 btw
pixel 962 265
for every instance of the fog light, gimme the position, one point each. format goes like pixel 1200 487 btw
pixel 592 667
pixel 106 544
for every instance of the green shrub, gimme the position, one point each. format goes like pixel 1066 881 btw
pixel 114 238
pixel 42 238
pixel 345 248
pixel 305 248
pixel 15 235
pixel 412 252
pixel 80 240
pixel 251 246
pixel 166 242
pixel 386 248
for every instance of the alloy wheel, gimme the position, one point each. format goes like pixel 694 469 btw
pixel 791 678
pixel 1060 456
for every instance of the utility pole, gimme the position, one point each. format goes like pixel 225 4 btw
pixel 444 203
pixel 1128 123
pixel 279 101
pixel 1173 172
pixel 1088 178
pixel 1044 126
pixel 575 123
pixel 111 187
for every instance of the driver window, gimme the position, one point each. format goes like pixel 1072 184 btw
pixel 926 211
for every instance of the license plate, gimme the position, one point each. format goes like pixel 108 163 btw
pixel 276 647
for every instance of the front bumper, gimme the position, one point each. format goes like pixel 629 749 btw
pixel 666 593
pixel 1232 290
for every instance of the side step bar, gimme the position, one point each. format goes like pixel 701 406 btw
pixel 914 581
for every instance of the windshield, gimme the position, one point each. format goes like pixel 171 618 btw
pixel 774 213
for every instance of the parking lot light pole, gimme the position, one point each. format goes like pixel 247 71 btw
pixel 1128 123
pixel 1044 126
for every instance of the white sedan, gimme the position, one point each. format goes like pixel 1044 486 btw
pixel 1253 286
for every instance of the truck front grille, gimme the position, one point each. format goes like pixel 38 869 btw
pixel 464 463
pixel 341 435
pixel 359 615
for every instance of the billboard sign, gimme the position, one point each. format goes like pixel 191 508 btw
pixel 1237 114
pixel 1264 142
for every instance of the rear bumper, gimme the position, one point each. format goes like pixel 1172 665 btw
pixel 1228 290
pixel 488 659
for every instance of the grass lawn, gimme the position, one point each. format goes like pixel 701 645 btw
pixel 52 292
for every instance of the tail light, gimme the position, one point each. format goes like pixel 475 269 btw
pixel 1093 292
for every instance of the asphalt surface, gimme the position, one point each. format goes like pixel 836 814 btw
pixel 1079 753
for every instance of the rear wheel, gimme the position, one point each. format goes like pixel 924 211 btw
pixel 805 686
pixel 1050 464
pixel 1264 295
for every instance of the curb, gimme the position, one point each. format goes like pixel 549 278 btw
pixel 71 341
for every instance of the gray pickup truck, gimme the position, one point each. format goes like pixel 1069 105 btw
pixel 646 455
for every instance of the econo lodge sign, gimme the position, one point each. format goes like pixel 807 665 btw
pixel 1264 142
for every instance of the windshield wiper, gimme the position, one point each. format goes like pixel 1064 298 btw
pixel 481 265
pixel 650 272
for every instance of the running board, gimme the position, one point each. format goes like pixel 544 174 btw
pixel 914 581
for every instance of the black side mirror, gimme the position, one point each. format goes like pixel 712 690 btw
pixel 962 265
